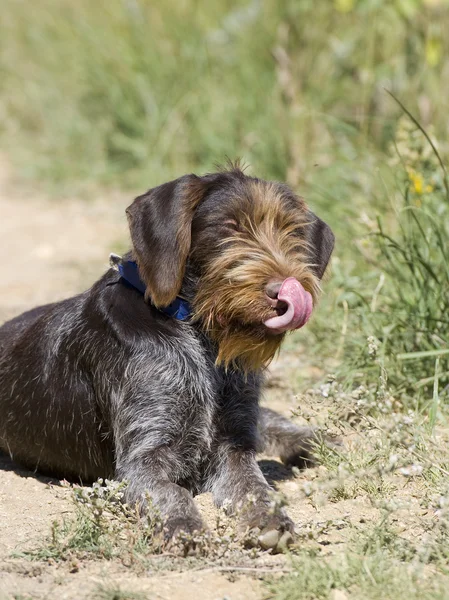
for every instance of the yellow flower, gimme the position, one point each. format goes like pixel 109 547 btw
pixel 417 181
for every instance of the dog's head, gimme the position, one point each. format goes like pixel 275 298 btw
pixel 247 252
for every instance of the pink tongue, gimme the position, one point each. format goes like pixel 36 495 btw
pixel 299 303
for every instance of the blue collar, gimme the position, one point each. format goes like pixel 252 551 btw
pixel 179 309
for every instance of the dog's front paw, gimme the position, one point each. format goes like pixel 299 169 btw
pixel 181 535
pixel 273 532
pixel 181 527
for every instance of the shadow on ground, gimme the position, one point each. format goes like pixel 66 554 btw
pixel 7 464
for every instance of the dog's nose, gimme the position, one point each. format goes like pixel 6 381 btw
pixel 293 305
pixel 272 289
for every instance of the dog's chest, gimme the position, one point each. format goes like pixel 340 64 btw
pixel 182 389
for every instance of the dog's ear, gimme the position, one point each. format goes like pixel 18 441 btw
pixel 321 243
pixel 160 223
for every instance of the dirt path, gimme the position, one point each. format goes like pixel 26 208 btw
pixel 52 250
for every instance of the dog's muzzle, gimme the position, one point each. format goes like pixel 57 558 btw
pixel 298 306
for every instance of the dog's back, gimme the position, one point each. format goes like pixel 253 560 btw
pixel 11 330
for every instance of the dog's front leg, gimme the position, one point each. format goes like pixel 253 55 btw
pixel 236 476
pixel 148 458
pixel 148 475
pixel 240 482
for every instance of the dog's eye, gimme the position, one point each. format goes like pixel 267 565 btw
pixel 231 224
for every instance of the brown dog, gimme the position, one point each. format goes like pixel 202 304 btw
pixel 154 374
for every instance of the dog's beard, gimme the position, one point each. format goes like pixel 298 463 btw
pixel 241 346
pixel 246 351
pixel 233 315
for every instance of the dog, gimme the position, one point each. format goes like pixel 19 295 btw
pixel 154 374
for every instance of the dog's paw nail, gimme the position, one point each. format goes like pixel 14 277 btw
pixel 270 539
pixel 285 541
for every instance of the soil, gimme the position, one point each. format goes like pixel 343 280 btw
pixel 53 249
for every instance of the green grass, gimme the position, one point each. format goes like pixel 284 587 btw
pixel 376 576
pixel 405 314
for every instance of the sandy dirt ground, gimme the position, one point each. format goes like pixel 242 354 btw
pixel 53 249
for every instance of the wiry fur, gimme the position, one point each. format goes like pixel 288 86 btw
pixel 106 385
